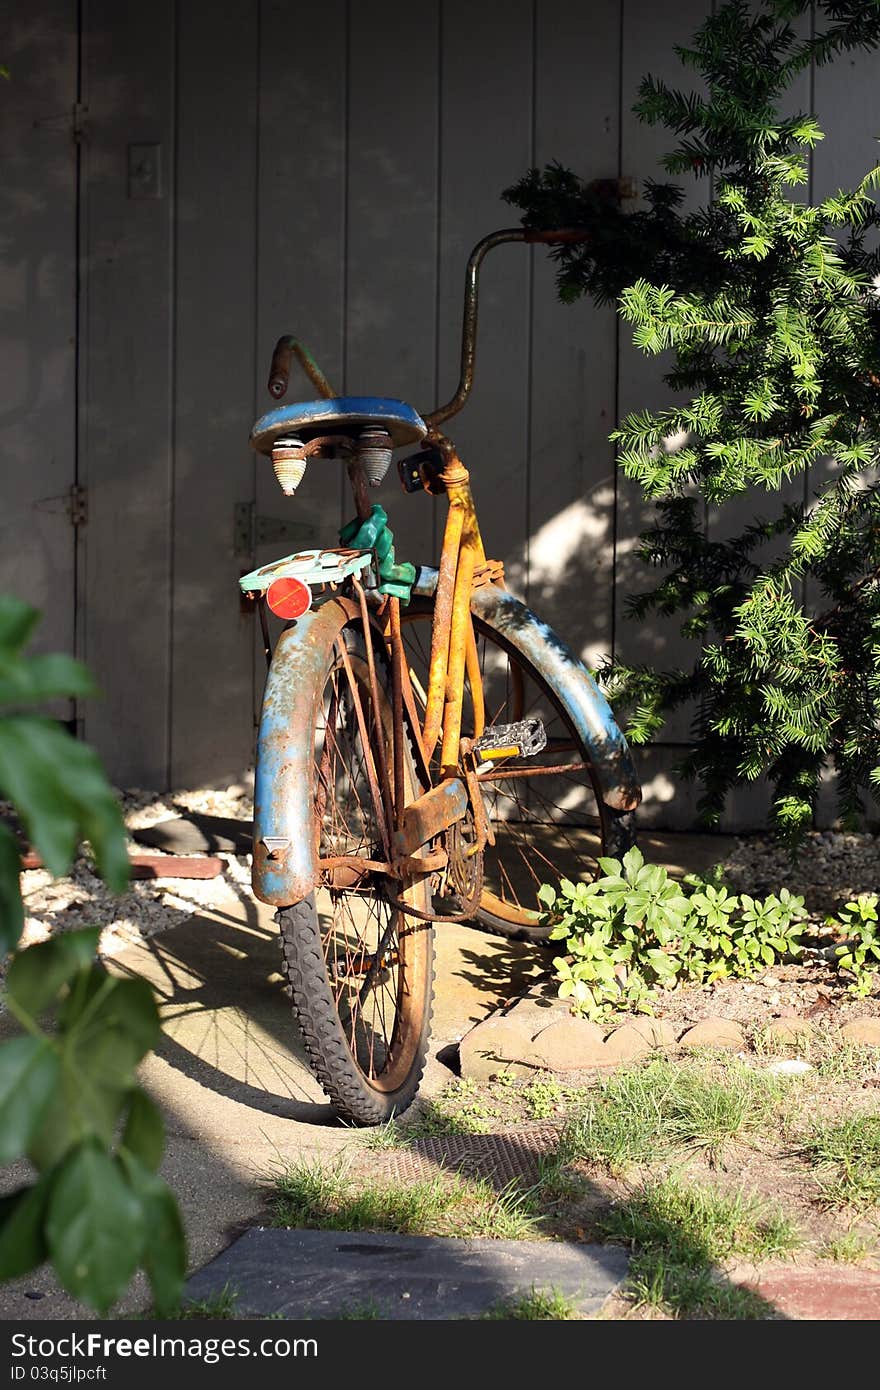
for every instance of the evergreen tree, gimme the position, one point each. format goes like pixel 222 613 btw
pixel 771 309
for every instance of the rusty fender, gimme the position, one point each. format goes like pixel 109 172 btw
pixel 285 853
pixel 570 681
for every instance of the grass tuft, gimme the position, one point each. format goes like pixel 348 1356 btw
pixel 845 1158
pixel 538 1305
pixel 680 1234
pixel 308 1194
pixel 641 1115
pixel 845 1249
pixel 220 1305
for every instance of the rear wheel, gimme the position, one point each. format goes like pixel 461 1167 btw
pixel 548 820
pixel 360 969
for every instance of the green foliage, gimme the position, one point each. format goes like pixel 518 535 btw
pixel 69 1101
pixel 859 956
pixel 635 931
pixel 769 308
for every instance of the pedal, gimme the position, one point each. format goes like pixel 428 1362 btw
pixel 521 740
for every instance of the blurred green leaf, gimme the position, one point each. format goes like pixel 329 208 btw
pixel 22 1236
pixel 38 974
pixel 11 907
pixel 43 678
pixel 95 1226
pixel 144 1133
pixel 164 1254
pixel 17 622
pixel 59 789
pixel 29 1071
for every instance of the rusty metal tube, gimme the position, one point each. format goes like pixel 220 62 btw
pixel 358 481
pixel 475 680
pixel 377 778
pixel 558 237
pixel 397 707
pixel 279 372
pixel 377 711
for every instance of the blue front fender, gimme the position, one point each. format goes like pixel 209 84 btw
pixel 285 867
pixel 568 678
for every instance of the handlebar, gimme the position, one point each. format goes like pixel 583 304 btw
pixel 279 372
pixel 288 346
pixel 561 236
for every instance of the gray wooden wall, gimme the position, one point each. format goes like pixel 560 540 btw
pixel 323 169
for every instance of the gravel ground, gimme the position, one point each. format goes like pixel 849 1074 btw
pixel 150 905
pixel 831 867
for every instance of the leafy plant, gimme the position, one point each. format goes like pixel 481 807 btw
pixel 859 956
pixel 635 931
pixel 69 1100
pixel 769 308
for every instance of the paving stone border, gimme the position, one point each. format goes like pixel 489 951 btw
pixel 538 1033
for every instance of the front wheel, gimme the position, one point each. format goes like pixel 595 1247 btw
pixel 548 819
pixel 359 966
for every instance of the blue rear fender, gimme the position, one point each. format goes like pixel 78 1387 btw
pixel 285 867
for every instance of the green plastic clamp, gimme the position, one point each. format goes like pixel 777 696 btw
pixel 396 577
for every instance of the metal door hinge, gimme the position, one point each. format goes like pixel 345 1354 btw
pixel 251 531
pixel 75 502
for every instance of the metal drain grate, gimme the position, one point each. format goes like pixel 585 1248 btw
pixel 499 1158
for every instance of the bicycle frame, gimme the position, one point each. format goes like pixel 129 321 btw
pixel 287 866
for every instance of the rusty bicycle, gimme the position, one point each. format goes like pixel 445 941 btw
pixel 428 749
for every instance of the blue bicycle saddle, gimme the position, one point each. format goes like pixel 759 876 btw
pixel 337 416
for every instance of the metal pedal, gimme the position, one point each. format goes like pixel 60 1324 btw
pixel 521 740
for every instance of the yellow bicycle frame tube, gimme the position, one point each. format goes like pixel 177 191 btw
pixel 453 646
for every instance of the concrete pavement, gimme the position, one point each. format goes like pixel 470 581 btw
pixel 230 1074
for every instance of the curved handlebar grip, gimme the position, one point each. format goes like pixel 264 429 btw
pixel 561 236
pixel 279 372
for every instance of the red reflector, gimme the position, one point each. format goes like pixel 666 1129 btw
pixel 289 598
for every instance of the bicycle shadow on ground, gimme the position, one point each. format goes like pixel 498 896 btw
pixel 227 1022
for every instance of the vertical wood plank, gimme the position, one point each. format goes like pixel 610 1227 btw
pixel 212 671
pixel 38 323
pixel 485 145
pixel 301 241
pixel 392 229
pixel 573 366
pixel 127 392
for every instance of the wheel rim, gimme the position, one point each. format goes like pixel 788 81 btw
pixel 547 826
pixel 376 958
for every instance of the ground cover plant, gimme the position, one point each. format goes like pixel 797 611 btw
pixel 635 931
pixel 768 308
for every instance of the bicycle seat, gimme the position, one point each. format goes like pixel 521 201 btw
pixel 338 416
